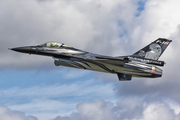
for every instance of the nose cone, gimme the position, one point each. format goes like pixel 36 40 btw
pixel 22 49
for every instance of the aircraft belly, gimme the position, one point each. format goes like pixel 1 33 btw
pixel 64 63
pixel 137 71
pixel 85 64
pixel 143 70
pixel 120 69
pixel 134 72
pixel 131 70
pixel 104 67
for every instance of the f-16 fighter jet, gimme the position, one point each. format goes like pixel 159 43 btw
pixel 143 63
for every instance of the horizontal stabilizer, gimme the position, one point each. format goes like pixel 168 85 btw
pixel 124 77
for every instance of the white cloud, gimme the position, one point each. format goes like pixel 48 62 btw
pixel 55 99
pixel 104 110
pixel 76 23
pixel 45 109
pixel 156 111
pixel 96 110
pixel 102 26
pixel 129 108
pixel 175 106
pixel 7 114
pixel 156 21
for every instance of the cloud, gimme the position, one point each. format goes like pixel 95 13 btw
pixel 156 21
pixel 126 109
pixel 47 101
pixel 96 110
pixel 45 108
pixel 158 111
pixel 75 23
pixel 116 27
pixel 7 114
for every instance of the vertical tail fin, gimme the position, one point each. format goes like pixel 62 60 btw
pixel 154 50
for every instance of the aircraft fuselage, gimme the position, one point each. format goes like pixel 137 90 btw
pixel 71 57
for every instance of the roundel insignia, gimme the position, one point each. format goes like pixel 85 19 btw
pixel 141 53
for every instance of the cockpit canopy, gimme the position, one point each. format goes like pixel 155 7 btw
pixel 53 44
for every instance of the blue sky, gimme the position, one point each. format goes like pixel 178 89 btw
pixel 26 90
pixel 33 88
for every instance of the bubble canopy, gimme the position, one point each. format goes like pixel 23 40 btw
pixel 53 44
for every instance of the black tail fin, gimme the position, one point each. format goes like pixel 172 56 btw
pixel 153 50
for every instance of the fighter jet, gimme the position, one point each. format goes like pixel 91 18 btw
pixel 142 63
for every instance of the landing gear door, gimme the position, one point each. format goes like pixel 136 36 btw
pixel 124 77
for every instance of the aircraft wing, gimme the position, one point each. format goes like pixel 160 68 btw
pixel 109 60
pixel 104 59
pixel 89 57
